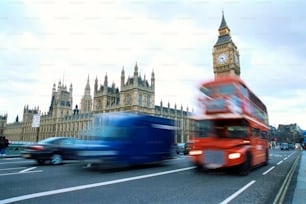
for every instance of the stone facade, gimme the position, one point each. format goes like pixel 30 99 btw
pixel 291 133
pixel 136 95
pixel 3 122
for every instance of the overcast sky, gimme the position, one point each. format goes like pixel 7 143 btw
pixel 46 41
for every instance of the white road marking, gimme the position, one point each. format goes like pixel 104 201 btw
pixel 28 169
pixel 264 173
pixel 13 158
pixel 8 174
pixel 238 192
pixel 280 162
pixel 7 169
pixel 291 154
pixel 76 188
pixel 17 162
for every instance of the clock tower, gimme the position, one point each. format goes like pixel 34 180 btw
pixel 225 53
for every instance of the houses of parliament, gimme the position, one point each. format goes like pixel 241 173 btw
pixel 135 94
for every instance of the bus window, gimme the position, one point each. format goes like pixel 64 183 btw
pixel 227 89
pixel 264 134
pixel 244 91
pixel 206 90
pixel 237 131
pixel 200 128
pixel 256 132
pixel 221 131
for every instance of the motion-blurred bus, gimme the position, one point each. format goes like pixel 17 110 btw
pixel 231 130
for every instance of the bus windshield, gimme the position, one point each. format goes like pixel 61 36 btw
pixel 219 128
pixel 231 128
pixel 231 131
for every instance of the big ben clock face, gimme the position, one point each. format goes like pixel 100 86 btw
pixel 222 58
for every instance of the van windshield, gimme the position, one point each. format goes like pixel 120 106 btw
pixel 108 133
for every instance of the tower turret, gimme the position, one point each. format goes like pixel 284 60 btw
pixel 86 101
pixel 122 78
pixel 153 80
pixel 105 83
pixel 96 85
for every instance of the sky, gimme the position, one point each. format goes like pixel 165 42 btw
pixel 43 42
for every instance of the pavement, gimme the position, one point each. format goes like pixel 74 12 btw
pixel 300 188
pixel 299 195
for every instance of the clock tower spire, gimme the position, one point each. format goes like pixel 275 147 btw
pixel 225 53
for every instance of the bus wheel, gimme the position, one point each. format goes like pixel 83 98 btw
pixel 246 166
pixel 199 167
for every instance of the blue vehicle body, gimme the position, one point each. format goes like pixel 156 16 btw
pixel 126 138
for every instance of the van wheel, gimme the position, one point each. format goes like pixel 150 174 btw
pixel 56 159
pixel 246 166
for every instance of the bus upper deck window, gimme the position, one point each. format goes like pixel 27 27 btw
pixel 227 89
pixel 206 90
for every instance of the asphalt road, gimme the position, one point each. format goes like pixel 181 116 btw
pixel 175 181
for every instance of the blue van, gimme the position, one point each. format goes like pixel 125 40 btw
pixel 128 139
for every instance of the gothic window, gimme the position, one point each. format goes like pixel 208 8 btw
pixel 140 99
pixel 128 99
pixel 148 100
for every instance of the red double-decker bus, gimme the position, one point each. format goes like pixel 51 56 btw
pixel 232 128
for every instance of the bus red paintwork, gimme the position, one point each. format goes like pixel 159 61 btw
pixel 231 130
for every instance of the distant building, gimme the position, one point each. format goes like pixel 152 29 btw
pixel 136 95
pixel 289 133
pixel 3 122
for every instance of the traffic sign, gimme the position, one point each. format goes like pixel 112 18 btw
pixel 36 120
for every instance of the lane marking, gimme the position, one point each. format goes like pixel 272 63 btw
pixel 15 158
pixel 8 174
pixel 76 188
pixel 264 173
pixel 16 162
pixel 26 170
pixel 291 154
pixel 280 197
pixel 12 168
pixel 285 158
pixel 238 192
